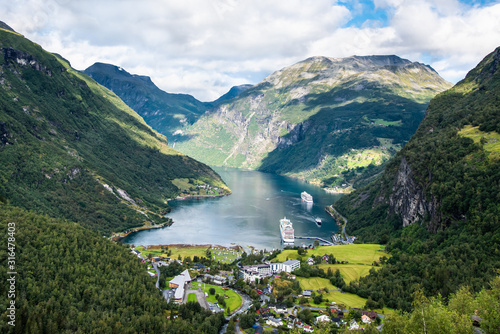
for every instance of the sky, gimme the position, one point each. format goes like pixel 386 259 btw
pixel 204 47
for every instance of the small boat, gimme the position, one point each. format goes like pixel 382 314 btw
pixel 318 221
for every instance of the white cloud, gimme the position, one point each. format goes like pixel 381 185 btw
pixel 204 47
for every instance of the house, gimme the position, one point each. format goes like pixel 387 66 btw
pixel 325 258
pixel 151 274
pixel 366 319
pixel 179 283
pixel 274 322
pixel 281 308
pixel 267 315
pixel 336 321
pixel 290 325
pixel 322 318
pixel 310 261
pixel 308 329
pixel 307 293
pixel 198 266
pixel 156 259
pixel 372 314
pixel 161 263
pixel 259 330
pixel 219 280
pixel 263 310
pixel 354 325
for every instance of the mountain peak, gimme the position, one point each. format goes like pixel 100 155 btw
pixel 5 26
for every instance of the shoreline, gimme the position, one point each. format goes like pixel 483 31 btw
pixel 201 246
pixel 197 197
pixel 117 237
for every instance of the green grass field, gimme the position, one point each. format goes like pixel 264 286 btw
pixel 333 295
pixel 192 297
pixel 350 272
pixel 233 302
pixel 225 255
pixel 359 256
pixel 218 253
pixel 492 139
pixel 183 251
pixel 363 254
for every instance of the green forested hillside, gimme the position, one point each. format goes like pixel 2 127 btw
pixel 163 111
pixel 445 187
pixel 70 148
pixel 71 280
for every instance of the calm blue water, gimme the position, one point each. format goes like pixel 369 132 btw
pixel 248 217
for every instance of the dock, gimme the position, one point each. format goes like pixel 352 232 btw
pixel 328 243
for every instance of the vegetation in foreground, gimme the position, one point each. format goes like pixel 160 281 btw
pixel 71 280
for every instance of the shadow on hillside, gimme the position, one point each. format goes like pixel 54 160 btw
pixel 337 130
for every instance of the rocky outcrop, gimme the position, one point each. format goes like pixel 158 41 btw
pixel 24 59
pixel 408 198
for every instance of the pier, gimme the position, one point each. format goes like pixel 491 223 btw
pixel 328 243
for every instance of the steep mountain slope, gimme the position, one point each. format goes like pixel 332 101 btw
pixel 72 149
pixel 163 111
pixel 444 189
pixel 322 119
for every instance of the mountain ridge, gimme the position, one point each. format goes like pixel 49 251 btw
pixel 283 115
pixel 72 149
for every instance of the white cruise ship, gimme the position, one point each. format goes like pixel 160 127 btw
pixel 306 197
pixel 286 229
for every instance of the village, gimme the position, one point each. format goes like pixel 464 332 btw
pixel 262 291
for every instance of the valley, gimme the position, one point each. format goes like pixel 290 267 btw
pixel 127 209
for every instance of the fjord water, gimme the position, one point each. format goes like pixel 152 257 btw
pixel 248 217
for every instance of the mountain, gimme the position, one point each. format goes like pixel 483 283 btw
pixel 231 94
pixel 437 205
pixel 71 149
pixel 165 112
pixel 322 119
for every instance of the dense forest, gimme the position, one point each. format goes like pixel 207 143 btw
pixel 71 280
pixel 453 163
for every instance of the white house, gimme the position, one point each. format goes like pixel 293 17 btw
pixel 366 319
pixel 308 329
pixel 179 283
pixel 322 318
pixel 275 322
pixel 354 325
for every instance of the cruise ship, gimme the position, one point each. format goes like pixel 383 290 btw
pixel 306 197
pixel 286 229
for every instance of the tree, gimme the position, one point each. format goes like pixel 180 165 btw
pixel 211 291
pixel 316 243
